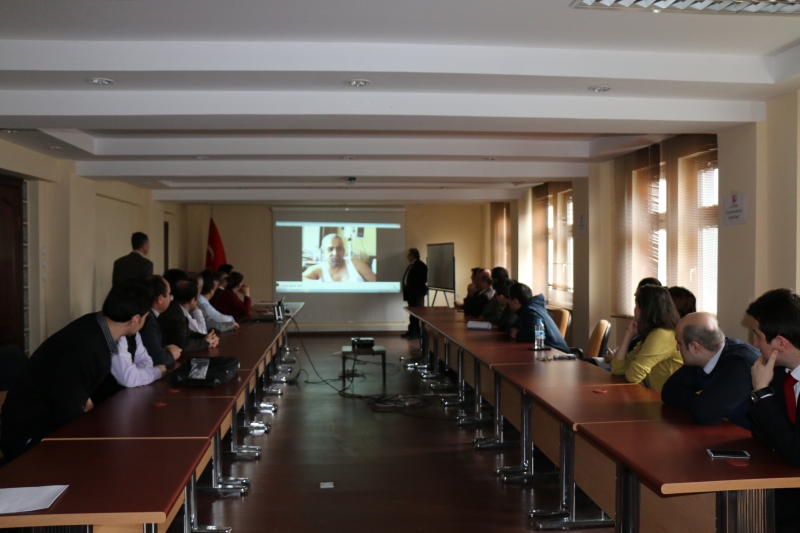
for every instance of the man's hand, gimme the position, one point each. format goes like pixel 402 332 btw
pixel 235 325
pixel 212 340
pixel 513 333
pixel 88 406
pixel 174 351
pixel 244 289
pixel 763 370
pixel 162 368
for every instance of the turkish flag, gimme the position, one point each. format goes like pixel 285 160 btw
pixel 215 252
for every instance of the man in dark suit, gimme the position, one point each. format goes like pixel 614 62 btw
pixel 150 333
pixel 415 287
pixel 134 265
pixel 776 330
pixel 714 381
pixel 174 321
pixel 475 304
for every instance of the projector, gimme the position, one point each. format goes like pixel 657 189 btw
pixel 359 343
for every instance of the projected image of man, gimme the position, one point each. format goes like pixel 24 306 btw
pixel 337 267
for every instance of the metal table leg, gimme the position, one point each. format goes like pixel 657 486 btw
pixel 445 385
pixel 433 360
pixel 461 399
pixel 190 512
pixel 477 419
pixel 568 487
pixel 243 451
pixel 219 484
pixel 498 441
pixel 255 427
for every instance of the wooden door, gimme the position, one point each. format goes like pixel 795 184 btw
pixel 11 282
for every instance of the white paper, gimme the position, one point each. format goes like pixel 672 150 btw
pixel 23 499
pixel 478 324
pixel 734 209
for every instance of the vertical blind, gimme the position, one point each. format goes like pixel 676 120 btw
pixel 665 204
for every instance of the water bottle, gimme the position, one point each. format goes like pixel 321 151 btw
pixel 538 335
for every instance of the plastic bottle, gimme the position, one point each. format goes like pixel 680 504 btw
pixel 538 334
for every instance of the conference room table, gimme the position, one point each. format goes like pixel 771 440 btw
pixel 116 447
pixel 663 475
pixel 642 462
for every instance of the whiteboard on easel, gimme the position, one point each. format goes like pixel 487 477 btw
pixel 442 266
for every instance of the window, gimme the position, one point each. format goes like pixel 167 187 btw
pixel 560 244
pixel 666 202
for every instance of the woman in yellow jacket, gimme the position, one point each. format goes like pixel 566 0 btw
pixel 656 357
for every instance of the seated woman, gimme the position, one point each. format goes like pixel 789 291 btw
pixel 228 303
pixel 684 300
pixel 655 357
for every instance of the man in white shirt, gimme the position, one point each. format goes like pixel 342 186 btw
pixel 134 368
pixel 213 318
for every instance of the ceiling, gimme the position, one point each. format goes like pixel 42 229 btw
pixel 248 101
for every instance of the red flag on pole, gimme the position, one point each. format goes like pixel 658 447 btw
pixel 215 252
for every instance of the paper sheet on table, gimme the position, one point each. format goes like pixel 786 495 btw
pixel 23 499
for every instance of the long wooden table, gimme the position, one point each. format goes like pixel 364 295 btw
pixel 642 462
pixel 684 489
pixel 124 446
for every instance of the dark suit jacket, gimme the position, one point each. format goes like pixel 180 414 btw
pixel 475 304
pixel 415 286
pixel 132 266
pixel 175 330
pixel 771 426
pixel 725 392
pixel 154 342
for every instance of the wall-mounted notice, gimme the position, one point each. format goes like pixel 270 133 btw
pixel 734 209
pixel 582 223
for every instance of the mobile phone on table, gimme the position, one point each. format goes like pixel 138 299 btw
pixel 728 454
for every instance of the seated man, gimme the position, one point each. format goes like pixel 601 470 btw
pixel 472 288
pixel 528 308
pixel 474 305
pixel 773 415
pixel 175 320
pixel 152 338
pixel 213 318
pixel 59 379
pixel 497 311
pixel 714 381
pixel 337 267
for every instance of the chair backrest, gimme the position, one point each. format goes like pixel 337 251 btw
pixel 598 341
pixel 562 317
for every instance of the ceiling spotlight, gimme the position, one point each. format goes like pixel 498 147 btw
pixel 56 147
pixel 348 157
pixel 100 81
pixel 488 158
pixel 10 131
pixel 202 157
pixel 350 180
pixel 358 83
pixel 656 11
pixel 599 88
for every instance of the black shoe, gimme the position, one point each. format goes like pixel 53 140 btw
pixel 405 335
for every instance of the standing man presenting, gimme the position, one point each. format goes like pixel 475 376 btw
pixel 415 287
pixel 134 265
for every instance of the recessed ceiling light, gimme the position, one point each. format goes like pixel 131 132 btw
pixel 488 158
pixel 56 147
pixel 600 88
pixel 348 158
pixel 10 131
pixel 202 157
pixel 100 81
pixel 358 83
